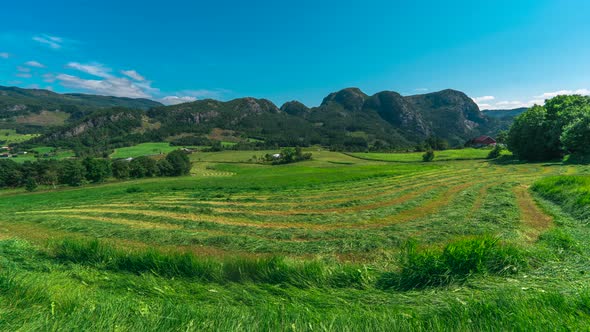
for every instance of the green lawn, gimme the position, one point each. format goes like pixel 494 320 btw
pixel 143 149
pixel 10 136
pixel 317 245
pixel 461 154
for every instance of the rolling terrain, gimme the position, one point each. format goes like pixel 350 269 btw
pixel 345 120
pixel 307 246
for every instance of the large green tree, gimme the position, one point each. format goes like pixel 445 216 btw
pixel 97 170
pixel 550 131
pixel 180 163
pixel 576 135
pixel 529 137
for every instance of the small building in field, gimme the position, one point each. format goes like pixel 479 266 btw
pixel 482 141
pixel 276 156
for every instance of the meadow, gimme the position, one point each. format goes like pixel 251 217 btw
pixel 143 149
pixel 10 136
pixel 445 155
pixel 337 243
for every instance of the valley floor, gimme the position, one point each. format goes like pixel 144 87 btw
pixel 347 218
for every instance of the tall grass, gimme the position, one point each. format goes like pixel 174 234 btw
pixel 457 261
pixel 572 193
pixel 270 270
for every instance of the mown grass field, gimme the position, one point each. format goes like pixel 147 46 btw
pixel 462 154
pixel 316 245
pixel 10 136
pixel 143 149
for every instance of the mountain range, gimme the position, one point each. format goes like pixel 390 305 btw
pixel 347 119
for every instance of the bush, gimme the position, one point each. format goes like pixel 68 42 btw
pixel 179 162
pixel 455 263
pixel 31 184
pixel 428 156
pixel 496 152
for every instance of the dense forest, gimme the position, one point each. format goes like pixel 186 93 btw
pixel 75 172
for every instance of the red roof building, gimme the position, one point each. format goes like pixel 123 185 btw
pixel 483 141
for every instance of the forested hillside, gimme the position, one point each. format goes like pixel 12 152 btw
pixel 347 119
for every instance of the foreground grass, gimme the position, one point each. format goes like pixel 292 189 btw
pixel 336 243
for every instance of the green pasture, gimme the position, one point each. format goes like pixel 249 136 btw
pixel 446 155
pixel 143 149
pixel 337 243
pixel 10 136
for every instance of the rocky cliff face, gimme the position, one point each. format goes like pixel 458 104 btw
pixel 395 109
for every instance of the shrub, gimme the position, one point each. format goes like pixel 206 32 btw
pixel 428 156
pixel 31 184
pixel 496 152
pixel 179 162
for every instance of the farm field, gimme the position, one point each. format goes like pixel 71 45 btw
pixel 306 246
pixel 143 149
pixel 59 154
pixel 461 154
pixel 10 136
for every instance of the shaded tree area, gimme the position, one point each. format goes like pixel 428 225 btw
pixel 549 132
pixel 76 172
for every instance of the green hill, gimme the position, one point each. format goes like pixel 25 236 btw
pixel 347 119
pixel 34 109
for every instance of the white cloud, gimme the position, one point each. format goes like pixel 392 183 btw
pixel 4 55
pixel 24 75
pixel 112 86
pixel 94 69
pixel 484 98
pixel 49 78
pixel 549 95
pixel 188 96
pixel 51 41
pixel 483 102
pixel 133 74
pixel 34 64
pixel 421 89
pixel 23 69
pixel 175 100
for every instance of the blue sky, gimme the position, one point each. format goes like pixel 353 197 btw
pixel 502 53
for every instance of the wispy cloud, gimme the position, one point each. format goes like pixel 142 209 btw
pixel 133 74
pixel 187 96
pixel 112 86
pixel 94 69
pixel 23 69
pixel 548 95
pixel 34 64
pixel 23 75
pixel 49 78
pixel 175 100
pixel 487 102
pixel 4 55
pixel 50 41
pixel 483 101
pixel 421 89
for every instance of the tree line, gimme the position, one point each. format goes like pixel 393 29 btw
pixel 76 172
pixel 560 127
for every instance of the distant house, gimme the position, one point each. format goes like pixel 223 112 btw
pixel 4 155
pixel 276 156
pixel 482 141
